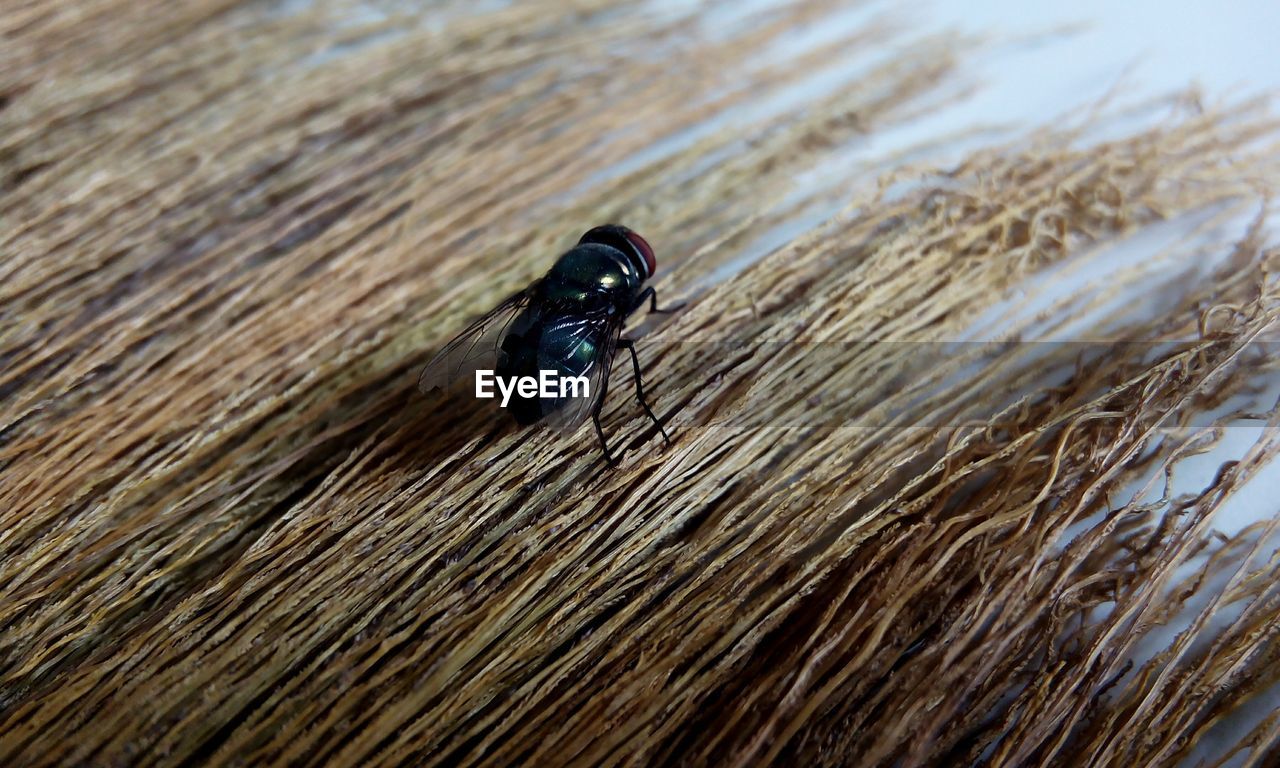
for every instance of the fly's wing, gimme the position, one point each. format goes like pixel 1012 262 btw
pixel 601 331
pixel 478 347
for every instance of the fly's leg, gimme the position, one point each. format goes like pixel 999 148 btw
pixel 630 346
pixel 651 296
pixel 595 418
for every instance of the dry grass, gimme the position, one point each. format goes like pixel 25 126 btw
pixel 232 532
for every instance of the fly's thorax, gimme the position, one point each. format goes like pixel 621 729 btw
pixel 592 271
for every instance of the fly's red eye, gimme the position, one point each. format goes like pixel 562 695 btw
pixel 645 250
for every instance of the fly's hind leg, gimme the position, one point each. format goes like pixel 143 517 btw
pixel 630 346
pixel 595 419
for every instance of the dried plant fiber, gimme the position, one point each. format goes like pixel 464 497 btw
pixel 932 497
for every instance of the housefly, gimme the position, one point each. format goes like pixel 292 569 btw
pixel 568 322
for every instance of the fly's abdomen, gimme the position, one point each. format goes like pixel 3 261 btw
pixel 556 345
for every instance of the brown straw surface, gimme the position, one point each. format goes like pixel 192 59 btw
pixel 232 532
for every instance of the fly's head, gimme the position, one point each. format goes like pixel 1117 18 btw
pixel 637 250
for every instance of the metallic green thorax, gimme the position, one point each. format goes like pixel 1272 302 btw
pixel 590 273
